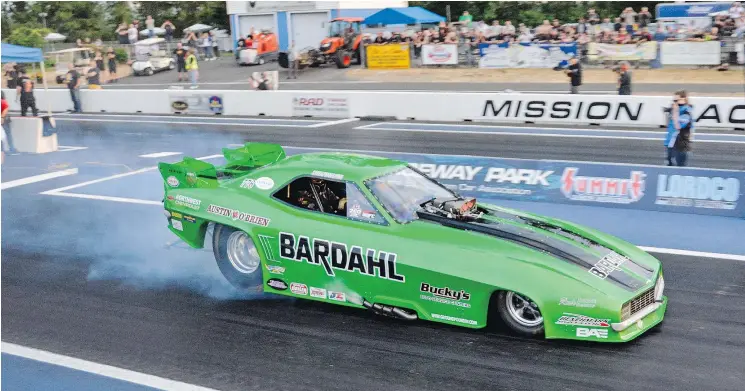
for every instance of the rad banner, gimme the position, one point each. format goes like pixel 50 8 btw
pixel 653 188
pixel 440 54
pixel 524 55
pixel 691 53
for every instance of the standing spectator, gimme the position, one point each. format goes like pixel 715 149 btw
pixel 192 67
pixel 466 18
pixel 169 28
pixel 73 84
pixel 607 25
pixel 624 79
pixel 132 34
pixel 206 46
pixel 679 130
pixel 7 144
pixel 122 32
pixel 736 11
pixel 617 26
pixel 215 48
pixel 294 61
pixel 574 71
pixel 592 17
pixel 94 77
pixel 98 58
pixel 150 25
pixel 629 16
pixel 111 56
pixel 645 17
pixel 660 35
pixel 25 91
pixel 180 54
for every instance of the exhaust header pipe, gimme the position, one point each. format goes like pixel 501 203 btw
pixel 386 310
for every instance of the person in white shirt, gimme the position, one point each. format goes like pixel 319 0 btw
pixel 132 34
pixel 150 24
pixel 736 11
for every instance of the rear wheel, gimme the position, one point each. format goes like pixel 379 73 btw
pixel 343 59
pixel 237 257
pixel 148 71
pixel 520 314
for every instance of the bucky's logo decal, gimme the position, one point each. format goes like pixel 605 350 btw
pixel 332 255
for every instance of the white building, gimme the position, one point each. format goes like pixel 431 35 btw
pixel 303 21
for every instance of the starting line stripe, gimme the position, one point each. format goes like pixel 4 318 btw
pixel 38 178
pixel 99 369
pixel 673 251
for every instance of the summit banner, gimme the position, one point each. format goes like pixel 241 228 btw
pixel 524 55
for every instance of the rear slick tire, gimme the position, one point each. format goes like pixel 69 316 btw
pixel 520 314
pixel 237 258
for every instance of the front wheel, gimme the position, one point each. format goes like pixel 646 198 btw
pixel 237 257
pixel 148 71
pixel 520 314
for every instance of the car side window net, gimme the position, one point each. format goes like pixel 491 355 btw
pixel 359 208
pixel 321 195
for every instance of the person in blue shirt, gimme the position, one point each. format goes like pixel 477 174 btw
pixel 679 130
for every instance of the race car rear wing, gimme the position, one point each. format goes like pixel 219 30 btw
pixel 194 173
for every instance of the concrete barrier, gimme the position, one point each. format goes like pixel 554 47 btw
pixel 507 108
pixel 34 134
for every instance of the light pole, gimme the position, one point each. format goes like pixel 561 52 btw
pixel 43 16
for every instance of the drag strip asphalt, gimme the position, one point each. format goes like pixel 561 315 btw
pixel 106 282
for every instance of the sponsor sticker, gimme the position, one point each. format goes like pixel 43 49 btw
pixel 237 215
pixel 592 333
pixel 327 175
pixel 607 265
pixel 172 181
pixel 275 269
pixel 368 214
pixel 190 219
pixel 444 295
pixel 602 189
pixel 697 192
pixel 191 178
pixel 299 289
pixel 335 256
pixel 248 183
pixel 581 320
pixel 577 302
pixel 355 211
pixel 176 224
pixel 176 215
pixel 337 296
pixel 188 202
pixel 454 319
pixel 277 284
pixel 264 183
pixel 318 293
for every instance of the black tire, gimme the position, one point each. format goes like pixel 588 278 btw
pixel 503 298
pixel 246 281
pixel 283 60
pixel 148 71
pixel 343 59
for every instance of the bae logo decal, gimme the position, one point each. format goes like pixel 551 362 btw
pixel 697 192
pixel 602 189
pixel 590 333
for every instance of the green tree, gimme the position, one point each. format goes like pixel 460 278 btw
pixel 28 36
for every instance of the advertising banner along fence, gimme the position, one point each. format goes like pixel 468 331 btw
pixel 443 54
pixel 691 53
pixel 524 55
pixel 653 188
pixel 195 103
pixel 389 56
pixel 630 52
pixel 320 105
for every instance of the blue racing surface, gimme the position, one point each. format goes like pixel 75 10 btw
pixel 22 374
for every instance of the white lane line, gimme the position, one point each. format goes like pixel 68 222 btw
pixel 160 154
pixel 72 119
pixel 544 135
pixel 108 178
pixel 108 198
pixel 689 253
pixel 123 86
pixel 216 117
pixel 332 123
pixel 99 369
pixel 63 148
pixel 370 151
pixel 423 125
pixel 38 178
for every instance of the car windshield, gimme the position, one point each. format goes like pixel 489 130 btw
pixel 402 192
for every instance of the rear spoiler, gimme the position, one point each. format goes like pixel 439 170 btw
pixel 194 173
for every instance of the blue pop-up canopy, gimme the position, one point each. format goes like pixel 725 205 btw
pixel 23 54
pixel 409 15
pixel 20 54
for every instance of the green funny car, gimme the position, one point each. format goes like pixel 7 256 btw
pixel 375 233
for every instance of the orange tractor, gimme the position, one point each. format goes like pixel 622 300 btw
pixel 262 48
pixel 341 47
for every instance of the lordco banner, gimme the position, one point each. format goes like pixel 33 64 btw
pixel 195 103
pixel 388 56
pixel 440 54
pixel 524 55
pixel 320 105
